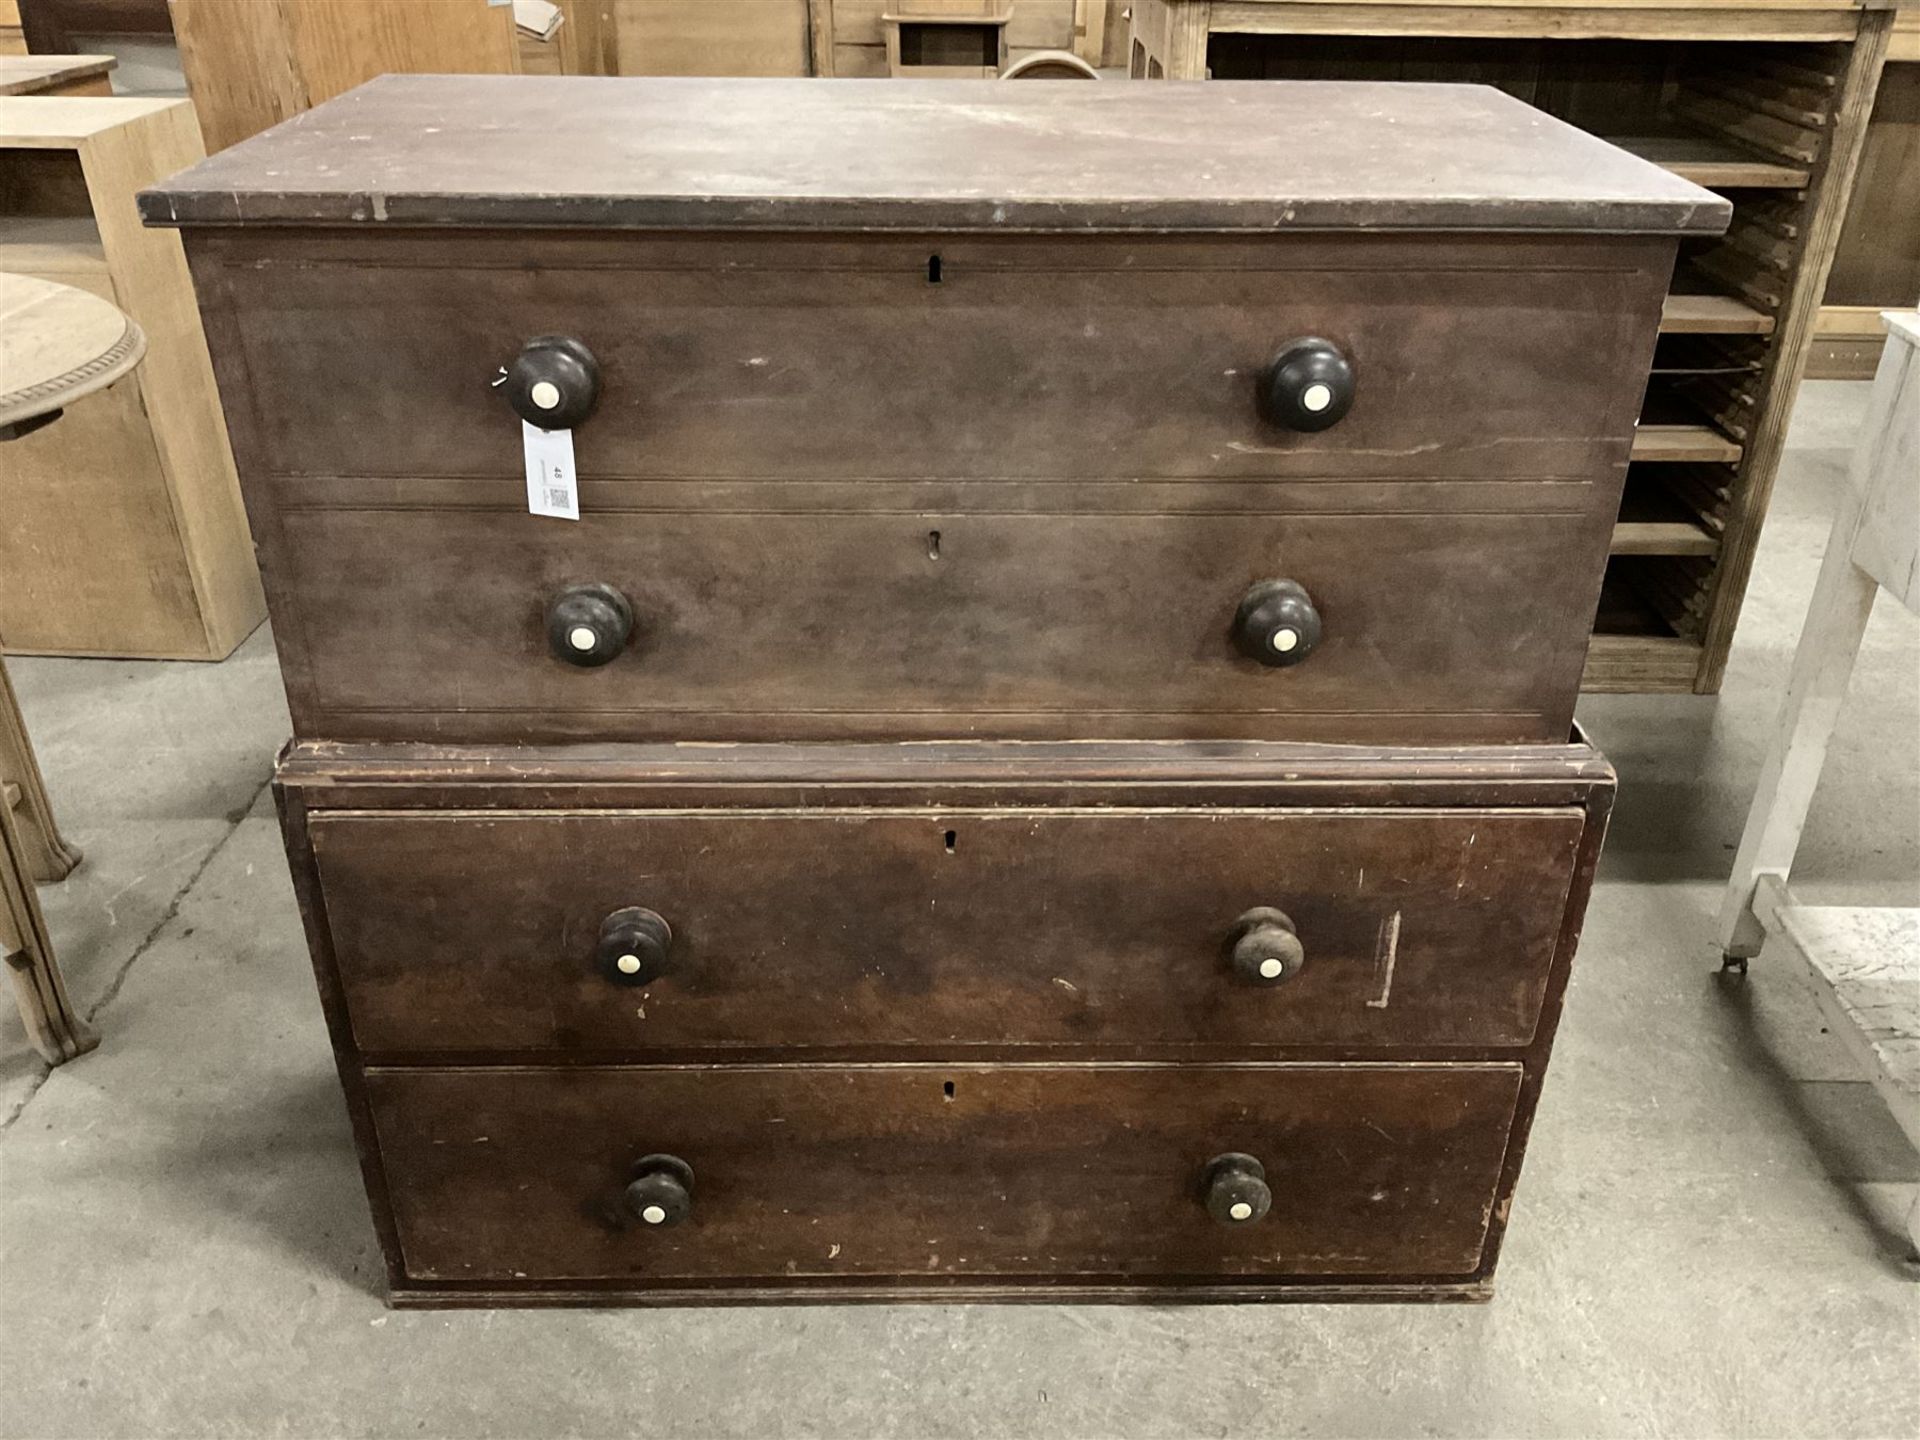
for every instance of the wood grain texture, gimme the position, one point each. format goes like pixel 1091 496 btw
pixel 56 74
pixel 973 930
pixel 894 592
pixel 239 66
pixel 422 625
pixel 1020 1171
pixel 514 781
pixel 1239 773
pixel 769 154
pixel 58 344
pixel 250 64
pixel 1033 359
pixel 697 37
pixel 1857 81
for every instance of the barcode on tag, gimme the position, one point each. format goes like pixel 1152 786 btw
pixel 551 485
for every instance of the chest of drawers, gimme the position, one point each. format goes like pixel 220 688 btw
pixel 1044 767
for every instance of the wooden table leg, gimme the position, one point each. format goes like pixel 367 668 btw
pixel 1816 687
pixel 53 1025
pixel 49 856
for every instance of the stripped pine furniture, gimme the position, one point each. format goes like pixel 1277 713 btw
pixel 58 346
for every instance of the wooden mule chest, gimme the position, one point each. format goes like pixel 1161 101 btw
pixel 1044 767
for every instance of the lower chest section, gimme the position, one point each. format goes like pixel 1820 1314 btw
pixel 754 1022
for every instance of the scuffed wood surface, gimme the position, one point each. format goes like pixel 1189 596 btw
pixel 794 154
pixel 1869 957
pixel 982 929
pixel 1013 1172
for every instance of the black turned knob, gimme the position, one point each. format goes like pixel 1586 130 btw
pixel 1276 623
pixel 554 382
pixel 633 948
pixel 1265 949
pixel 661 1191
pixel 1234 1187
pixel 1309 386
pixel 588 625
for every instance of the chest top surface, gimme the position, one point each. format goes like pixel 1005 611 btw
pixel 857 155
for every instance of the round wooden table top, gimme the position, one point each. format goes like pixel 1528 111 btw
pixel 58 344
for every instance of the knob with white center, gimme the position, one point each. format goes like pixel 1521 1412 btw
pixel 1277 623
pixel 554 382
pixel 1309 385
pixel 588 625
pixel 1264 947
pixel 660 1192
pixel 1234 1189
pixel 634 946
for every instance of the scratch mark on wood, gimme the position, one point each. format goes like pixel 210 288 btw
pixel 1385 953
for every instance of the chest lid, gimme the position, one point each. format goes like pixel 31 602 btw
pixel 860 155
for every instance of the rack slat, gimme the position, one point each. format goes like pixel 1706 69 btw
pixel 1714 163
pixel 1712 315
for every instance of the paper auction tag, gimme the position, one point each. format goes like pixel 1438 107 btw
pixel 552 487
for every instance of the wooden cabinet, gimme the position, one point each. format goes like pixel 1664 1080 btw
pixel 1044 767
pixel 124 532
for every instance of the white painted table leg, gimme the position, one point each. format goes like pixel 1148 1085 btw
pixel 1822 666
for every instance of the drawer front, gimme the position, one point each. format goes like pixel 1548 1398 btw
pixel 868 930
pixel 802 1173
pixel 416 624
pixel 1081 358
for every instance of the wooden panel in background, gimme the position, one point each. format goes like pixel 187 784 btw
pixel 238 68
pixel 698 37
pixel 337 44
pixel 252 63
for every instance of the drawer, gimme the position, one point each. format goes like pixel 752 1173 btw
pixel 375 355
pixel 1433 628
pixel 938 1173
pixel 870 931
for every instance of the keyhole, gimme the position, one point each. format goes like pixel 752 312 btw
pixel 947 1090
pixel 933 269
pixel 952 835
pixel 933 544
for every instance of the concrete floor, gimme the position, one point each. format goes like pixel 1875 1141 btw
pixel 1704 1243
